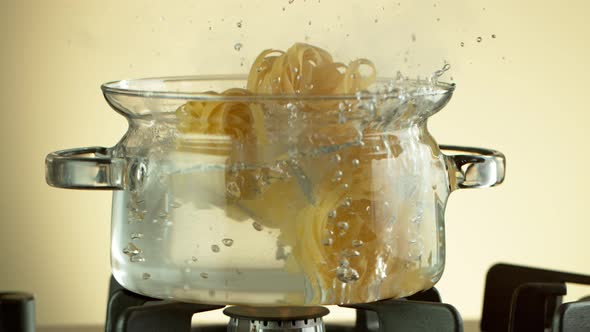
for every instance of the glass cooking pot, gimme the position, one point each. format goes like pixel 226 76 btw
pixel 276 199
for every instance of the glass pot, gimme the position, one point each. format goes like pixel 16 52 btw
pixel 276 199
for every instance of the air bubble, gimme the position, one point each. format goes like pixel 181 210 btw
pixel 175 204
pixel 337 158
pixel 347 202
pixel 332 214
pixel 357 243
pixel 227 242
pixel 328 241
pixel 342 225
pixel 135 236
pixel 346 274
pixel 356 163
pixel 215 248
pixel 233 189
pixel 345 186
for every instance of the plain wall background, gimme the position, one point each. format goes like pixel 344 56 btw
pixel 523 93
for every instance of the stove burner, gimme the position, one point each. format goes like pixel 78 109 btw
pixel 292 319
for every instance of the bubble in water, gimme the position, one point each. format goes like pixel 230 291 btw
pixel 357 243
pixel 347 274
pixel 233 189
pixel 204 275
pixel 462 44
pixel 356 163
pixel 227 242
pixel 345 186
pixel 146 276
pixel 137 259
pixel 342 225
pixel 239 24
pixel 215 248
pixel 257 226
pixel 347 202
pixel 351 253
pixel 479 39
pixel 337 158
pixel 332 214
pixel 328 241
pixel 132 250
pixel 238 46
pixel 135 236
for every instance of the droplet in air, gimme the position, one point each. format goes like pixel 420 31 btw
pixel 462 44
pixel 479 39
pixel 239 24
pixel 376 20
pixel 227 242
pixel 342 225
pixel 309 23
pixel 257 226
pixel 215 248
pixel 493 36
pixel 413 37
pixel 238 46
pixel 204 275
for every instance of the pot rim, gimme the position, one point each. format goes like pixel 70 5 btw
pixel 138 88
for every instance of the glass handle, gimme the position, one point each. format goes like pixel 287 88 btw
pixel 84 168
pixel 474 167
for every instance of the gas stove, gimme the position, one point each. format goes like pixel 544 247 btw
pixel 516 299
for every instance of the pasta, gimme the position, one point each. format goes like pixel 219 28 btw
pixel 330 216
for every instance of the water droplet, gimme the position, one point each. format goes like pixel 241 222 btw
pixel 284 8
pixel 462 44
pixel 146 276
pixel 239 24
pixel 493 36
pixel 351 253
pixel 376 20
pixel 479 39
pixel 210 28
pixel 227 242
pixel 309 23
pixel 413 37
pixel 233 189
pixel 135 236
pixel 438 19
pixel 204 275
pixel 291 1
pixel 215 248
pixel 356 163
pixel 328 241
pixel 238 46
pixel 194 259
pixel 332 214
pixel 257 226
pixel 137 259
pixel 357 243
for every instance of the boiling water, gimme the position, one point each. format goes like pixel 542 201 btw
pixel 199 227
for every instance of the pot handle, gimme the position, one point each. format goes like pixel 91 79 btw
pixel 474 167
pixel 84 168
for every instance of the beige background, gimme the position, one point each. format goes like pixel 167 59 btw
pixel 523 93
